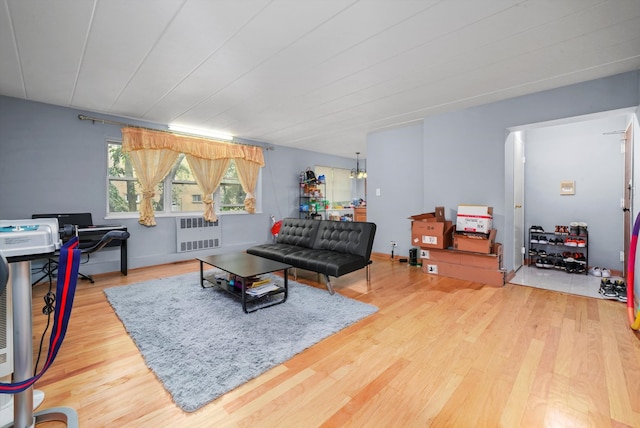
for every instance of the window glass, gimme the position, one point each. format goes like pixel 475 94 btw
pixel 231 195
pixel 184 188
pixel 338 184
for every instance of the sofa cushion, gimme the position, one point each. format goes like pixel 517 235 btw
pixel 298 232
pixel 276 251
pixel 326 261
pixel 354 238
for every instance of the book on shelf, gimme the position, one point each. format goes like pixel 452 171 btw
pixel 263 289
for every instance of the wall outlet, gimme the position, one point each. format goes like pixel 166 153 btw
pixel 378 192
pixel 432 269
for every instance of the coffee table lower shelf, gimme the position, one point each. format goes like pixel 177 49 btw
pixel 245 265
pixel 223 284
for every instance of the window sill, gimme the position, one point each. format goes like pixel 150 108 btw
pixel 135 216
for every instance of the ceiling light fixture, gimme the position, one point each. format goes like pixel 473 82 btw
pixel 201 132
pixel 358 173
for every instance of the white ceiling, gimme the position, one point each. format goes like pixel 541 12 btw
pixel 312 74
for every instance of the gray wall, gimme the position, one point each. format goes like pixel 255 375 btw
pixel 396 156
pixel 53 162
pixel 464 152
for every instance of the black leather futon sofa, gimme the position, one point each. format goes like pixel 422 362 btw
pixel 331 248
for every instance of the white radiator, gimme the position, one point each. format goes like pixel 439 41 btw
pixel 6 333
pixel 195 234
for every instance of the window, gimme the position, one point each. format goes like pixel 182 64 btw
pixel 182 195
pixel 338 184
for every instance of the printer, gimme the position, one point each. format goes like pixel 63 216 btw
pixel 29 237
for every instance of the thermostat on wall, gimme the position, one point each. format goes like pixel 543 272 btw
pixel 567 187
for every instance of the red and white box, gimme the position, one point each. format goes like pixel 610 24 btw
pixel 474 218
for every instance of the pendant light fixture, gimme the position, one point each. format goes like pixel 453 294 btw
pixel 356 172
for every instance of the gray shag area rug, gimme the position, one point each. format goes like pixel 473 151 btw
pixel 200 343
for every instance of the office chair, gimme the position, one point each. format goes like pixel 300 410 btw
pixel 51 266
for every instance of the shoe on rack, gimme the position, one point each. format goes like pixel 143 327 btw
pixel 533 252
pixel 560 265
pixel 595 271
pixel 583 228
pixel 542 253
pixel 580 258
pixel 607 289
pixel 606 273
pixel 574 228
pixel 571 242
pixel 534 239
pixel 542 240
pixel 539 263
pixel 581 242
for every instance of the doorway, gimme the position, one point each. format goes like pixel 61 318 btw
pixel 582 150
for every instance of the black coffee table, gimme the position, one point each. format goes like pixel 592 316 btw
pixel 245 266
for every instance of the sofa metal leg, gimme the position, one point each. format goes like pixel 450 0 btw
pixel 368 273
pixel 329 286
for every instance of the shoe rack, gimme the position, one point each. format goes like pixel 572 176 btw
pixel 566 248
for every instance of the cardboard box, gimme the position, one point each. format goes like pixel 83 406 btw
pixel 474 218
pixel 475 244
pixel 467 273
pixel 484 261
pixel 431 234
pixel 437 215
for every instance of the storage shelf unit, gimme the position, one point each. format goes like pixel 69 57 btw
pixel 312 200
pixel 561 251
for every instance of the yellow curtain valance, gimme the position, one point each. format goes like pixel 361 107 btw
pixel 204 148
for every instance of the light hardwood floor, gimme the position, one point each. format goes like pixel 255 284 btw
pixel 440 352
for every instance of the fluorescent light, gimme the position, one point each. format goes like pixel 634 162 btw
pixel 201 132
